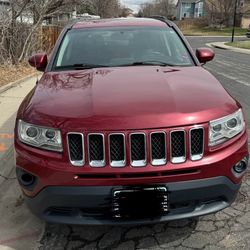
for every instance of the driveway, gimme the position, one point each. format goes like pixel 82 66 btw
pixel 227 229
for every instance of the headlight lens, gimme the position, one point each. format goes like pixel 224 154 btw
pixel 45 138
pixel 225 128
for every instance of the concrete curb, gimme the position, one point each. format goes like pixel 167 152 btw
pixel 221 45
pixel 15 83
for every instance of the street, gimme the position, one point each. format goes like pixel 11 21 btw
pixel 231 69
pixel 227 229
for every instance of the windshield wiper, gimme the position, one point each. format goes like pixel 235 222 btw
pixel 80 66
pixel 148 63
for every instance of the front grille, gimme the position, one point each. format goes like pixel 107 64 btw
pixel 158 148
pixel 178 146
pixel 76 149
pixel 124 149
pixel 197 143
pixel 117 150
pixel 96 150
pixel 138 150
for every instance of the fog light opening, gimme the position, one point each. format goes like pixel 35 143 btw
pixel 241 166
pixel 27 179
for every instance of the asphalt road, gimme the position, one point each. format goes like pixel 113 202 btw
pixel 227 229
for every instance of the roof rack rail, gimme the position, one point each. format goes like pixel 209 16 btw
pixel 162 19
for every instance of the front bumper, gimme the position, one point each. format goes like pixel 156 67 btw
pixel 93 205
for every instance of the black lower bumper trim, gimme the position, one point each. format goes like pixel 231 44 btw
pixel 93 205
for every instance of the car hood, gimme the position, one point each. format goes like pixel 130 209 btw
pixel 126 98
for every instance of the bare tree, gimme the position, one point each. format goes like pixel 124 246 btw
pixel 21 22
pixel 10 26
pixel 125 12
pixel 41 9
pixel 220 12
pixel 106 8
pixel 158 7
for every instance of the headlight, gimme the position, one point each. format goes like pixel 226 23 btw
pixel 40 137
pixel 225 128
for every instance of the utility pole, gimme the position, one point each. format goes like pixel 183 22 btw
pixel 234 24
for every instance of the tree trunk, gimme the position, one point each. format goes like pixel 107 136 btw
pixel 27 41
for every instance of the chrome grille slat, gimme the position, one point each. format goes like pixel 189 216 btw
pixel 137 147
pixel 178 146
pixel 138 154
pixel 196 136
pixel 117 150
pixel 96 150
pixel 76 149
pixel 158 148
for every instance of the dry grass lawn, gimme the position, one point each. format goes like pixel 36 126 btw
pixel 10 73
pixel 208 31
pixel 241 44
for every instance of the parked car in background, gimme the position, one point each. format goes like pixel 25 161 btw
pixel 126 126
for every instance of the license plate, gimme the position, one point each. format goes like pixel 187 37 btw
pixel 140 202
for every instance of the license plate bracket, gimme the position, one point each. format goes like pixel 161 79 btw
pixel 140 202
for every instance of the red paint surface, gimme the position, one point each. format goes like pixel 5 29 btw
pixel 205 54
pixel 126 98
pixel 55 169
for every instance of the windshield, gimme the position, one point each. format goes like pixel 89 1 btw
pixel 111 47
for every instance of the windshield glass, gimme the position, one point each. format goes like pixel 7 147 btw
pixel 110 47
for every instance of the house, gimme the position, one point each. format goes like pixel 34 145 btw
pixel 4 7
pixel 66 16
pixel 189 9
pixel 245 10
pixel 4 4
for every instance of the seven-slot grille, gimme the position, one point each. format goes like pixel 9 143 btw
pixel 162 145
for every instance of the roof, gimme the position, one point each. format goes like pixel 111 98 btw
pixel 118 22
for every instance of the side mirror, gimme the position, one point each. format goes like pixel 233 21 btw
pixel 39 61
pixel 205 55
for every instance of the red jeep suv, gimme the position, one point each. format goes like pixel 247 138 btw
pixel 126 127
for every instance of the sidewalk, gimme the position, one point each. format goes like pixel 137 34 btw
pixel 221 45
pixel 11 97
pixel 19 229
